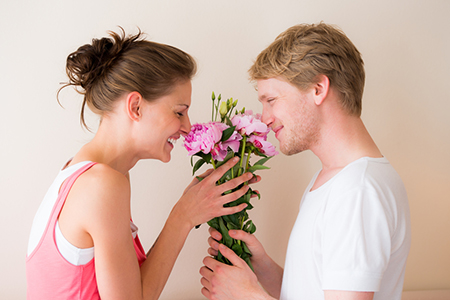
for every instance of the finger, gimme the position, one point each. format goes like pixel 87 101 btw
pixel 231 256
pixel 234 195
pixel 232 209
pixel 205 283
pixel 206 173
pixel 215 234
pixel 210 263
pixel 233 183
pixel 255 195
pixel 213 243
pixel 241 235
pixel 206 273
pixel 196 181
pixel 206 293
pixel 255 179
pixel 218 173
pixel 213 252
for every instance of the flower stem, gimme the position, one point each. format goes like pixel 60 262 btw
pixel 248 161
pixel 213 163
pixel 244 141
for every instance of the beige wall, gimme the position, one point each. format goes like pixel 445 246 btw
pixel 406 48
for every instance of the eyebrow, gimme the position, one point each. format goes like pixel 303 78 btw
pixel 263 97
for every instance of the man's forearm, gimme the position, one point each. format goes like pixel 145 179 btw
pixel 270 275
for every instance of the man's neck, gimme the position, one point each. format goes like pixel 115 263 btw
pixel 343 140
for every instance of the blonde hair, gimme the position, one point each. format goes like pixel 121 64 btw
pixel 304 51
pixel 109 67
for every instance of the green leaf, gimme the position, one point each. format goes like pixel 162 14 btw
pixel 198 164
pixel 231 219
pixel 227 133
pixel 262 161
pixel 245 248
pixel 214 223
pixel 249 263
pixel 257 167
pixel 232 226
pixel 227 240
pixel 249 227
pixel 237 249
pixel 206 157
pixel 228 121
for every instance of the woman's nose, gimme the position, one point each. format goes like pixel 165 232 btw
pixel 186 126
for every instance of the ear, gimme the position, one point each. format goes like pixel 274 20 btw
pixel 133 106
pixel 321 89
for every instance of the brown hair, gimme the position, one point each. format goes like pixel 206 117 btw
pixel 109 67
pixel 304 51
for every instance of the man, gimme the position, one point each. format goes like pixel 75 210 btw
pixel 352 234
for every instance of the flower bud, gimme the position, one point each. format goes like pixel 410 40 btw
pixel 223 109
pixel 229 102
pixel 213 96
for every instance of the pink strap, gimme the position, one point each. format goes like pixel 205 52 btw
pixel 65 189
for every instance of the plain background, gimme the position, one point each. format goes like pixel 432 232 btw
pixel 406 48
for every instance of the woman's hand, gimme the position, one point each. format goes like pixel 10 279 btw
pixel 204 200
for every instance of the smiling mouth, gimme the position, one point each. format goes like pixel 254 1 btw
pixel 277 130
pixel 172 141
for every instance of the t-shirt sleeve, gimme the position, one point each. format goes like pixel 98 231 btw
pixel 356 241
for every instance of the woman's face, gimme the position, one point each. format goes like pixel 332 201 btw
pixel 165 120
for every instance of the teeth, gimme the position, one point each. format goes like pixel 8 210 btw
pixel 172 141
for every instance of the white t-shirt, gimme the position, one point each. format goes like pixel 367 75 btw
pixel 352 234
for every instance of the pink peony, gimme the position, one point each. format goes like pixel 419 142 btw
pixel 248 123
pixel 263 145
pixel 206 138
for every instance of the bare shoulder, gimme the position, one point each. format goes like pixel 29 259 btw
pixel 99 199
pixel 101 190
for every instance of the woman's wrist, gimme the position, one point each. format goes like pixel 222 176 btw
pixel 178 218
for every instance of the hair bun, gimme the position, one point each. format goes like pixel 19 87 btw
pixel 92 61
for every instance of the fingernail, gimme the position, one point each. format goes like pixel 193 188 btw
pixel 222 247
pixel 233 232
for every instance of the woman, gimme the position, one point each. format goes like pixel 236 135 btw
pixel 142 92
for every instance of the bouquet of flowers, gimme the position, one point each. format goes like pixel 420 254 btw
pixel 218 141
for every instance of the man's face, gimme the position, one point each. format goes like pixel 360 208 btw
pixel 290 112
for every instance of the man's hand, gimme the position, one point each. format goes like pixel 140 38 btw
pixel 222 282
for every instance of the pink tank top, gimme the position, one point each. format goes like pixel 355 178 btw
pixel 49 275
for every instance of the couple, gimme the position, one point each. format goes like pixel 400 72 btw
pixel 352 234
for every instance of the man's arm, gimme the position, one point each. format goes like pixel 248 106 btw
pixel 347 295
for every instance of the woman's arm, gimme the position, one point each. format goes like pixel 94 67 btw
pixel 105 216
pixel 200 202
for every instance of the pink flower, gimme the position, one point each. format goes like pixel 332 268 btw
pixel 248 123
pixel 263 145
pixel 206 138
